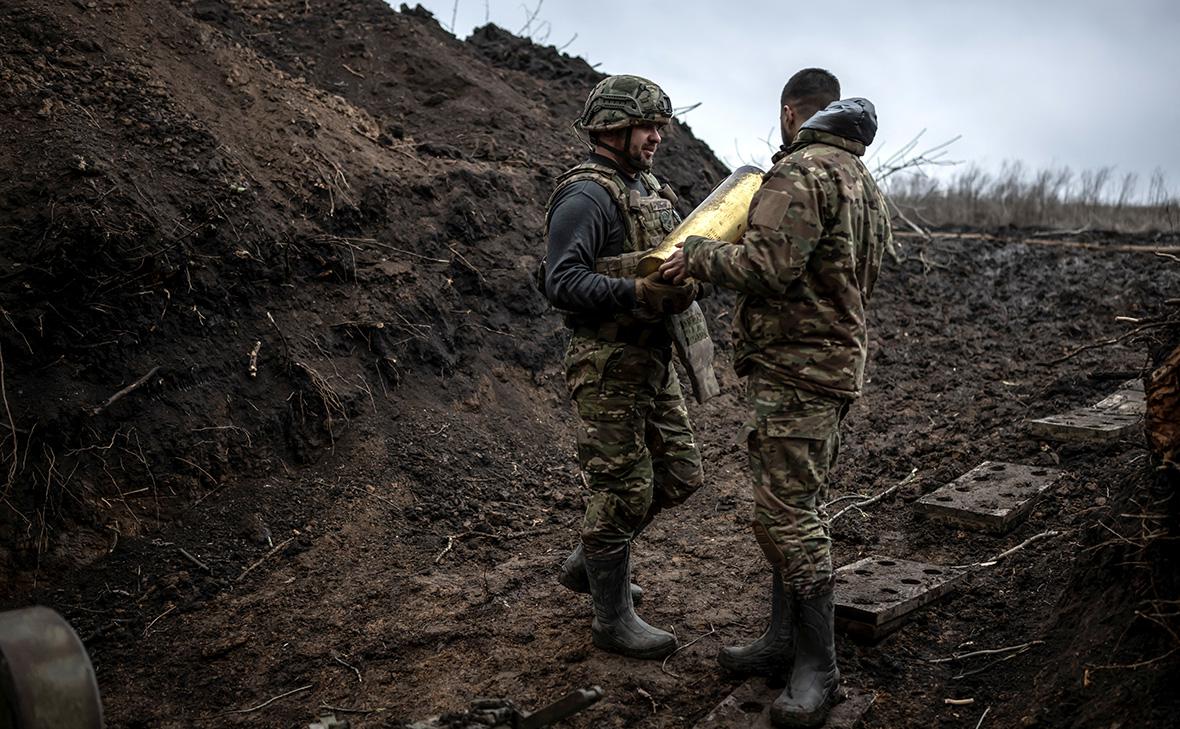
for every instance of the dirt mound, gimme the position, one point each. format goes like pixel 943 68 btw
pixel 283 411
pixel 278 215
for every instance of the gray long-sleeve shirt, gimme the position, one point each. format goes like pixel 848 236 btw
pixel 585 224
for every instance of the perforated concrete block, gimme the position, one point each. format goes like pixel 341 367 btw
pixel 1129 399
pixel 1088 425
pixel 992 496
pixel 874 595
pixel 748 707
pixel 1119 415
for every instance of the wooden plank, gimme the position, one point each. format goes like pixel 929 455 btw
pixel 993 496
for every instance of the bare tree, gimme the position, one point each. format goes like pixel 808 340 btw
pixel 530 17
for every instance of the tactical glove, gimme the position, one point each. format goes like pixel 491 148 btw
pixel 662 298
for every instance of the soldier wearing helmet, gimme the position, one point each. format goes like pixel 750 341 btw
pixel 636 446
pixel 632 106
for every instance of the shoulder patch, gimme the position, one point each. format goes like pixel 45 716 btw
pixel 772 207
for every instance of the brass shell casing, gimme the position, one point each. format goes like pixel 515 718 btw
pixel 722 216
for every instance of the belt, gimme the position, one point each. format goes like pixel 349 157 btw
pixel 652 336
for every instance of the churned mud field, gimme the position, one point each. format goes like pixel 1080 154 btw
pixel 414 568
pixel 286 429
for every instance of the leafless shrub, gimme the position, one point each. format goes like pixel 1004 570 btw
pixel 1127 187
pixel 1056 198
pixel 906 159
pixel 535 29
pixel 1162 199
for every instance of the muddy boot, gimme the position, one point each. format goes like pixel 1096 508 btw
pixel 814 686
pixel 573 576
pixel 616 627
pixel 770 654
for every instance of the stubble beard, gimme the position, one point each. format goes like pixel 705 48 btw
pixel 641 163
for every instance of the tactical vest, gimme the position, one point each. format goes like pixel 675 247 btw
pixel 647 219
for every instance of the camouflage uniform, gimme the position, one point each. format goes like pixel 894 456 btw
pixel 804 270
pixel 635 445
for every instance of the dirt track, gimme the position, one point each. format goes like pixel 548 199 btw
pixel 380 512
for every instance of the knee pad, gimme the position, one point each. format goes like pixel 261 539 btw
pixel 769 548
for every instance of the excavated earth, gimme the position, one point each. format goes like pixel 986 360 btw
pixel 285 420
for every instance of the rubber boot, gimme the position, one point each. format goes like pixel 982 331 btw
pixel 770 654
pixel 814 686
pixel 616 627
pixel 573 576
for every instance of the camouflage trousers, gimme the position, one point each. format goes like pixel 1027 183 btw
pixel 792 445
pixel 636 446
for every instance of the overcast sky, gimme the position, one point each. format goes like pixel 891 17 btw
pixel 1085 84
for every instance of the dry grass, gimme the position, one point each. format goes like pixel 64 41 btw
pixel 1053 198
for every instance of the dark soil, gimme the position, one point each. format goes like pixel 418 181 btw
pixel 374 503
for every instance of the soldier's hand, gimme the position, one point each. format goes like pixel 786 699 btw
pixel 663 298
pixel 674 269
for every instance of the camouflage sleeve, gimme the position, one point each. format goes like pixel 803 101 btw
pixel 785 223
pixel 885 235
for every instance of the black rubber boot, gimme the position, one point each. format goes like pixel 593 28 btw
pixel 616 627
pixel 770 654
pixel 573 576
pixel 814 686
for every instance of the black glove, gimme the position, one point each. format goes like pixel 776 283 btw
pixel 658 297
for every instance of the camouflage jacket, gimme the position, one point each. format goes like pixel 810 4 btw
pixel 808 261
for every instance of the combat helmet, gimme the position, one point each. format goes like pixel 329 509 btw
pixel 623 101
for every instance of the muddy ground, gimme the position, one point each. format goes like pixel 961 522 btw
pixel 423 552
pixel 373 516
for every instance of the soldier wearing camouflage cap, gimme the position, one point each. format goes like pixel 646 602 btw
pixel 636 446
pixel 804 271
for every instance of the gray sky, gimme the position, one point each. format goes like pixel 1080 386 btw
pixel 1085 84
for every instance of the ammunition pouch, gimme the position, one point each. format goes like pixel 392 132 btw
pixel 621 266
pixel 690 333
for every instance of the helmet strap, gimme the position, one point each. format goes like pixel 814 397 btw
pixel 586 140
pixel 624 154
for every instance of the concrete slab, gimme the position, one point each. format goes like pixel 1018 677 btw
pixel 1088 425
pixel 875 595
pixel 748 707
pixel 1129 399
pixel 993 496
pixel 1119 415
pixel 742 707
